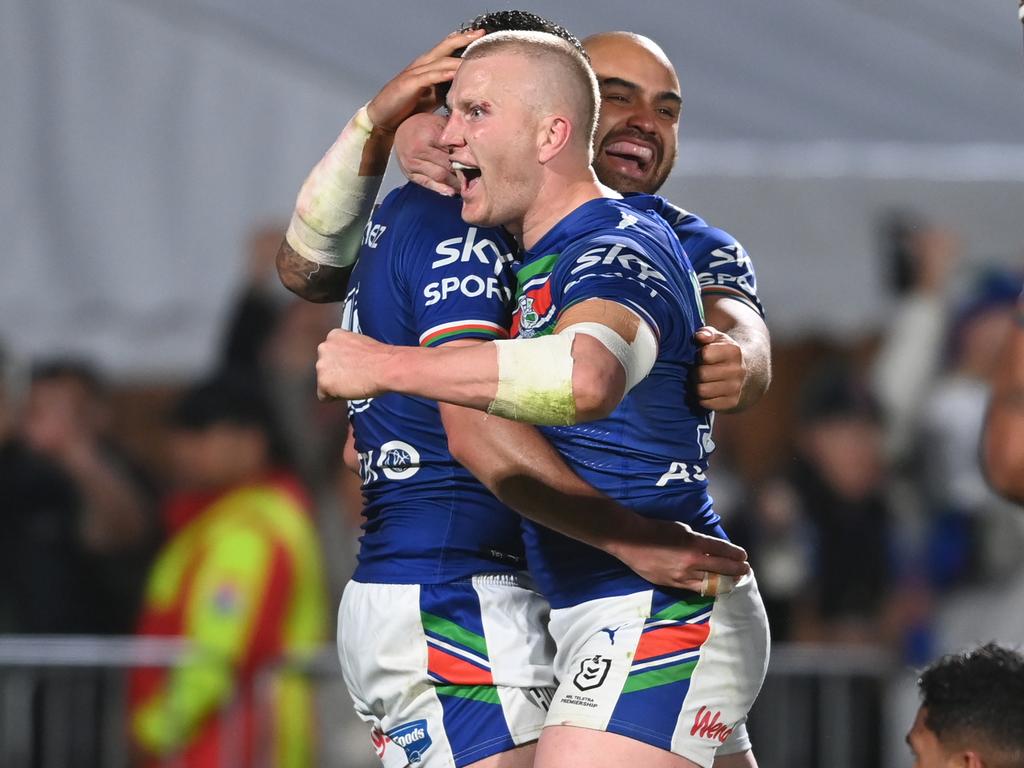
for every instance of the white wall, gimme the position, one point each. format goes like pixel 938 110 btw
pixel 141 140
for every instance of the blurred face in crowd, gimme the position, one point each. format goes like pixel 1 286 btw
pixel 218 456
pixel 636 142
pixel 848 453
pixel 981 341
pixel 61 414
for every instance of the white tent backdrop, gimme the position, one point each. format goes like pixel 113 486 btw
pixel 142 140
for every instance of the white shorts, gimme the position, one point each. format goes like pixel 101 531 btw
pixel 679 674
pixel 447 674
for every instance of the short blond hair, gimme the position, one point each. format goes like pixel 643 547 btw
pixel 580 90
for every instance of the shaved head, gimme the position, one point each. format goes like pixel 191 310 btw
pixel 625 41
pixel 636 142
pixel 563 82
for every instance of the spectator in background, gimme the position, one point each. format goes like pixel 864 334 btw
pixel 919 258
pixel 41 559
pixel 972 711
pixel 273 335
pixel 240 577
pixel 778 536
pixel 975 536
pixel 1003 440
pixel 839 482
pixel 77 488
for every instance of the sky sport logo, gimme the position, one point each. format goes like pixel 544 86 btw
pixel 413 738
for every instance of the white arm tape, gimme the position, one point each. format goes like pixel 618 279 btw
pixel 535 381
pixel 535 375
pixel 335 202
pixel 637 358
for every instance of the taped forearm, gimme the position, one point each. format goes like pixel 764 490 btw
pixel 337 197
pixel 536 376
pixel 535 381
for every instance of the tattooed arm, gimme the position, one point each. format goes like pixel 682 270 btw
pixel 335 201
pixel 314 282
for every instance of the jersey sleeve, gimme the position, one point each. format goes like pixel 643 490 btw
pixel 459 280
pixel 723 267
pixel 620 269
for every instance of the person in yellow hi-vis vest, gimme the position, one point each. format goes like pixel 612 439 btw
pixel 240 577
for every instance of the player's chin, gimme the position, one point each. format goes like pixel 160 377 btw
pixel 473 212
pixel 621 182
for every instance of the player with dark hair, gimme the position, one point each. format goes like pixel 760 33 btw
pixel 607 306
pixel 972 711
pixel 443 646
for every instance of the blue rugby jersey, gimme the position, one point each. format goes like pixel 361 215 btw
pixel 424 278
pixel 722 265
pixel 651 454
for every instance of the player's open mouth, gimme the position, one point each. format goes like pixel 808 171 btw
pixel 631 157
pixel 468 176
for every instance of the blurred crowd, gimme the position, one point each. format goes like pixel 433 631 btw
pixel 876 509
pixel 223 505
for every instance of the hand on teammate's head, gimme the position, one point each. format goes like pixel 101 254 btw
pixel 414 89
pixel 421 157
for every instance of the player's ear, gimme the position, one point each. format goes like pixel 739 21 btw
pixel 553 134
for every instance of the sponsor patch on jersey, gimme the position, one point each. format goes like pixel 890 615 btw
pixel 398 460
pixel 413 737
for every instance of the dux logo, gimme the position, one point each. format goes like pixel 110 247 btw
pixel 398 460
pixel 413 737
pixel 707 727
pixel 593 671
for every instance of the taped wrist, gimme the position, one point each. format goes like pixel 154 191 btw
pixel 335 202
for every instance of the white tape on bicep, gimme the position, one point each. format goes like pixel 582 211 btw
pixel 335 202
pixel 636 357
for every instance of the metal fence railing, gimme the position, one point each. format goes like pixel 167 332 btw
pixel 63 703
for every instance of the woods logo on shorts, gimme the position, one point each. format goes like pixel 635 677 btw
pixel 707 727
pixel 593 671
pixel 413 737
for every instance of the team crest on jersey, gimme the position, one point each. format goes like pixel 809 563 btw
pixel 532 312
pixel 528 318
